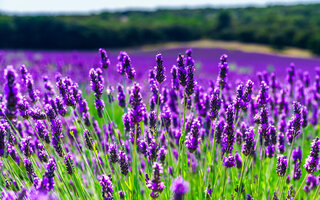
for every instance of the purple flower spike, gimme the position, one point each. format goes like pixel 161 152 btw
pixel 193 138
pixel 282 164
pixel 121 97
pixel 179 187
pixel 160 69
pixel 105 61
pixel 182 72
pixel 215 104
pixel 129 70
pixel 263 97
pixel 11 92
pixel 224 68
pixel 229 161
pixel 107 187
pixel 175 80
pixel 313 159
pixel 155 183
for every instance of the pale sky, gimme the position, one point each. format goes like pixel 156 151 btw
pixel 58 6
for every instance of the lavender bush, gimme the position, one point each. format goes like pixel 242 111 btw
pixel 116 136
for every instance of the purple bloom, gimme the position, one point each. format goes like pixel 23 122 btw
pixel 263 97
pixel 229 161
pixel 228 140
pixel 249 143
pixel 68 161
pixel 97 81
pixel 162 154
pixel 282 164
pixel 155 183
pixel 297 154
pixel 129 70
pixel 113 153
pixel 297 170
pixel 29 169
pixel 160 69
pixel 11 92
pixel 175 80
pixel 88 140
pixel 121 97
pixel 238 159
pixel 24 108
pixel 166 117
pixel 182 72
pixel 179 187
pixel 247 96
pixel 107 187
pixel 105 61
pixel 215 104
pixel 224 67
pixel 193 138
pixel 190 81
pixel 313 159
pixel 26 147
pixel 120 67
pixel 137 110
pixel 123 162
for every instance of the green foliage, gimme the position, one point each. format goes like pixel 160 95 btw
pixel 277 26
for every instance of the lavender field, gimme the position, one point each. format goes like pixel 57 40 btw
pixel 165 124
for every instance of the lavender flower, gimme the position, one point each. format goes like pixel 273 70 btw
pixel 120 67
pixel 105 61
pixel 238 159
pixel 182 72
pixel 175 80
pixel 24 107
pixel 113 153
pixel 129 70
pixel 88 140
pixel 137 110
pixel 193 138
pixel 263 97
pixel 155 184
pixel 282 164
pixel 224 67
pixel 121 97
pixel 313 159
pixel 68 161
pixel 247 96
pixel 26 146
pixel 29 169
pixel 215 104
pixel 11 92
pixel 160 69
pixel 179 187
pixel 107 187
pixel 229 161
pixel 228 140
pixel 190 81
pixel 123 162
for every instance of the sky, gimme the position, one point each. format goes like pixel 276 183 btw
pixel 80 6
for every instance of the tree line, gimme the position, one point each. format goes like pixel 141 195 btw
pixel 279 26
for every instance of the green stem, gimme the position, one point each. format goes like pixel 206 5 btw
pixel 241 176
pixel 317 191
pixel 304 180
pixel 224 181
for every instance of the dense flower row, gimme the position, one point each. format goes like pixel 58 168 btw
pixel 232 140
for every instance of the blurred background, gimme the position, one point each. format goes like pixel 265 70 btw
pixel 71 24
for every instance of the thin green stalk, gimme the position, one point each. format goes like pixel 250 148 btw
pixel 261 157
pixel 304 180
pixel 224 181
pixel 241 176
pixel 317 191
